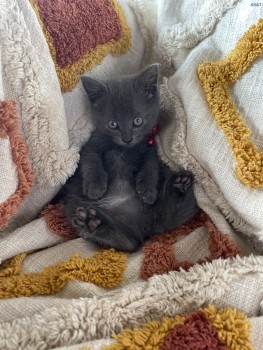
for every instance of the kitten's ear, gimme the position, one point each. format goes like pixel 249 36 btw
pixel 94 88
pixel 148 80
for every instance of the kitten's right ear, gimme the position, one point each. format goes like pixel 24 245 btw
pixel 94 88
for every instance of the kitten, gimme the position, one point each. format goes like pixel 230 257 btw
pixel 122 193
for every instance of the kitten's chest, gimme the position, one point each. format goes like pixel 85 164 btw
pixel 136 155
pixel 133 157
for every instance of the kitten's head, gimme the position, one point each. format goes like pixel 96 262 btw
pixel 126 108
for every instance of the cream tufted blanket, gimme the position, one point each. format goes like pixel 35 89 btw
pixel 197 286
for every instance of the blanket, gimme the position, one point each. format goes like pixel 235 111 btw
pixel 196 287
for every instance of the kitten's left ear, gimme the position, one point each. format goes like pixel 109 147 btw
pixel 147 80
pixel 95 89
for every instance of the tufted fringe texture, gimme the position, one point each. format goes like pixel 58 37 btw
pixel 187 34
pixel 82 60
pixel 105 268
pixel 9 127
pixel 57 222
pixel 159 256
pixel 41 116
pixel 216 78
pixel 179 155
pixel 96 318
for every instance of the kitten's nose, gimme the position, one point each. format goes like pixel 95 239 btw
pixel 127 140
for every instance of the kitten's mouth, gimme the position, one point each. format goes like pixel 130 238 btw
pixel 126 144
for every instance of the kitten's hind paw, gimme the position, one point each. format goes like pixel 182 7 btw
pixel 183 180
pixel 85 218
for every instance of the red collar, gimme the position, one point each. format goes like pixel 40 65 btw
pixel 151 136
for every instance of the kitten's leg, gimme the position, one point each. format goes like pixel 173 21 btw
pixel 94 230
pixel 94 177
pixel 93 227
pixel 148 177
pixel 177 203
pixel 109 237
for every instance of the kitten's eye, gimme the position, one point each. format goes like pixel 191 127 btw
pixel 137 121
pixel 112 124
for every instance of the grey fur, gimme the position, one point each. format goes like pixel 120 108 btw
pixel 120 177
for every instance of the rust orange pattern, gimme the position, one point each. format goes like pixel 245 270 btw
pixel 159 254
pixel 80 34
pixel 9 126
pixel 57 222
pixel 209 328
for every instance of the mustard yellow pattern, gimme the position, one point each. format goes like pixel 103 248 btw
pixel 69 76
pixel 150 336
pixel 216 78
pixel 232 326
pixel 12 267
pixel 105 268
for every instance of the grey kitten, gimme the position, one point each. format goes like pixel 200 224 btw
pixel 122 193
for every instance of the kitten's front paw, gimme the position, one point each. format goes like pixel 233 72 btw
pixel 96 189
pixel 148 194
